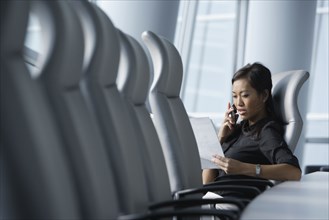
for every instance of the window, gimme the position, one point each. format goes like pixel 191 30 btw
pixel 318 117
pixel 206 86
pixel 317 131
pixel 33 45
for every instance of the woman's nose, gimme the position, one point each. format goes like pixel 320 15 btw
pixel 239 101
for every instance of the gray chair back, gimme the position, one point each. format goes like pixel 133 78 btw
pixel 60 77
pixel 170 117
pixel 285 91
pixel 133 83
pixel 36 179
pixel 111 114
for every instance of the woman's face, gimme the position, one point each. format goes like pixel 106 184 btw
pixel 249 103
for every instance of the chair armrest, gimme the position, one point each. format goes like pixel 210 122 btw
pixel 239 176
pixel 248 191
pixel 259 183
pixel 222 214
pixel 184 202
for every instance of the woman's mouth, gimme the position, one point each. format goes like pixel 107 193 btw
pixel 242 112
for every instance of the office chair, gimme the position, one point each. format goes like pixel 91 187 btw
pixel 60 78
pixel 172 122
pixel 105 103
pixel 36 179
pixel 170 117
pixel 285 91
pixel 286 88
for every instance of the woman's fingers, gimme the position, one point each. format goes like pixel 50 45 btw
pixel 221 162
pixel 228 105
pixel 229 124
pixel 228 114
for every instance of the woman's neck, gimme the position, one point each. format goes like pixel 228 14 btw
pixel 259 117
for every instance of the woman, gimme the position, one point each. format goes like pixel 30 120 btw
pixel 255 147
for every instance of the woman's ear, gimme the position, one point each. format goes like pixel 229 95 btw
pixel 265 95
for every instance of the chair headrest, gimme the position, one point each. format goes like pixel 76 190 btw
pixel 167 63
pixel 134 73
pixel 87 17
pixel 63 40
pixel 285 91
pixel 104 65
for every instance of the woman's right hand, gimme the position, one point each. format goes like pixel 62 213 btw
pixel 228 123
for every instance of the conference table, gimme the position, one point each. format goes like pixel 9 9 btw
pixel 307 199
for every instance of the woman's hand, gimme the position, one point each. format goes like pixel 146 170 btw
pixel 230 166
pixel 227 126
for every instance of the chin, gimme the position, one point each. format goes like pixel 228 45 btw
pixel 241 117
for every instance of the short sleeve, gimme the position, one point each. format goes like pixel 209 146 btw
pixel 274 147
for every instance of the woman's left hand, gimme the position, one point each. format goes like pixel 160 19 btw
pixel 229 165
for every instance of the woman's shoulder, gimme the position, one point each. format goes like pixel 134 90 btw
pixel 273 126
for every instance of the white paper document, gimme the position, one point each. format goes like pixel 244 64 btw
pixel 207 140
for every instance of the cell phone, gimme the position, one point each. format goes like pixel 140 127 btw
pixel 234 114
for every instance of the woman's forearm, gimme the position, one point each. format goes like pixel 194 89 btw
pixel 279 172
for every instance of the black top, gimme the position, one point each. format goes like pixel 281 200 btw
pixel 261 143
